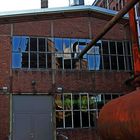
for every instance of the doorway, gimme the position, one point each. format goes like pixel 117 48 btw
pixel 32 117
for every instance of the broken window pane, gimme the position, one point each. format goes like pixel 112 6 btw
pixel 59 119
pixel 85 119
pixel 112 47
pixel 20 43
pixel 114 62
pixel 92 102
pixel 120 48
pixel 42 44
pixel 25 60
pixel 33 60
pixel 106 62
pixel 105 47
pixel 93 118
pixel 49 60
pixel 76 119
pixel 67 63
pixel 42 60
pixel 68 119
pixel 128 60
pixel 33 44
pixel 84 102
pixel 127 48
pixel 107 98
pixel 67 102
pixel 121 62
pixel 76 102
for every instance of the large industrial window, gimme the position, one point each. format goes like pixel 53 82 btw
pixel 80 110
pixel 62 53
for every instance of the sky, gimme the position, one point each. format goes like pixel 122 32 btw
pixel 14 5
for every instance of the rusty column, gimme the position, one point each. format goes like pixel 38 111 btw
pixel 135 43
pixel 109 25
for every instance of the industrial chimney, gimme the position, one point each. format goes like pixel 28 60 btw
pixel 44 3
pixel 76 2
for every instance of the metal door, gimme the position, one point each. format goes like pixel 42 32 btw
pixel 32 118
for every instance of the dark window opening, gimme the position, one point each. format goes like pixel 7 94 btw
pixel 112 47
pixel 121 62
pixel 105 47
pixel 42 60
pixel 106 62
pixel 114 63
pixel 85 119
pixel 76 119
pixel 68 118
pixel 33 44
pixel 38 52
pixel 33 60
pixel 120 48
pixel 25 60
pixel 42 45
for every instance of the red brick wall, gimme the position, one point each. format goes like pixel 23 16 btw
pixel 21 81
pixel 72 27
pixel 112 4
pixel 71 81
pixel 5 61
pixel 73 134
pixel 4 117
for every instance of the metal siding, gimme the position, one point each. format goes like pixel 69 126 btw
pixel 32 117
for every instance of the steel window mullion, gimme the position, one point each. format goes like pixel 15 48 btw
pixel 29 65
pixel 88 109
pixel 80 112
pixel 124 55
pixel 63 55
pixel 102 56
pixel 72 111
pixel 109 55
pixel 64 125
pixel 132 63
pixel 37 52
pixel 117 56
pixel 46 46
pixel 97 114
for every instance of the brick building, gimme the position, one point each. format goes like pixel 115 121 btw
pixel 110 4
pixel 45 91
pixel 118 5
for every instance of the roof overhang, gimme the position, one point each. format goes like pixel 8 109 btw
pixel 55 13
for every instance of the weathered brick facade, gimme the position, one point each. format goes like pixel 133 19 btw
pixel 4 116
pixel 19 81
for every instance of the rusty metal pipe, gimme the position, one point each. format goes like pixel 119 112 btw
pixel 109 25
pixel 135 43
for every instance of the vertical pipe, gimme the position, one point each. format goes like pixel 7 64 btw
pixel 10 90
pixel 135 44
